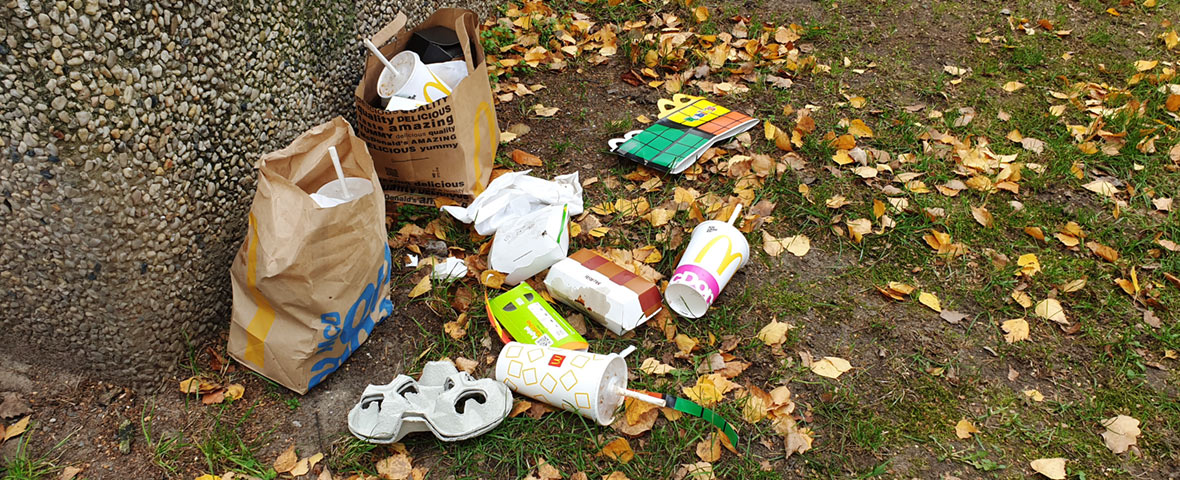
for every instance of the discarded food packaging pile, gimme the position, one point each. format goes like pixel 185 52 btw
pixel 312 278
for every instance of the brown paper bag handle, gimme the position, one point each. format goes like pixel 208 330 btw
pixel 390 31
pixel 464 39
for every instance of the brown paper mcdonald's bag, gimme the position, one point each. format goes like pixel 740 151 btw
pixel 309 283
pixel 445 148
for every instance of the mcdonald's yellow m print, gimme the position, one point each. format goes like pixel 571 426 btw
pixel 437 85
pixel 259 327
pixel 727 259
pixel 482 110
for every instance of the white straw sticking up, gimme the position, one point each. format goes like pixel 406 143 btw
pixel 380 56
pixel 736 212
pixel 339 171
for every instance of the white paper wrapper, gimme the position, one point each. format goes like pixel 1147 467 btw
pixel 532 243
pixel 515 195
pixel 449 269
pixel 450 73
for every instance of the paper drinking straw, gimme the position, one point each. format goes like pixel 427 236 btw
pixel 642 397
pixel 737 211
pixel 339 171
pixel 380 56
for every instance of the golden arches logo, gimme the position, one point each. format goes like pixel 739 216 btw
pixel 486 111
pixel 727 259
pixel 437 85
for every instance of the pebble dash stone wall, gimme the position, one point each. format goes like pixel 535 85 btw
pixel 128 134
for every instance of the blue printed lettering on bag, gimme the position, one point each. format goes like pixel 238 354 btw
pixel 368 310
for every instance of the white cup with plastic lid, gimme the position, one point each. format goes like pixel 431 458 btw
pixel 409 78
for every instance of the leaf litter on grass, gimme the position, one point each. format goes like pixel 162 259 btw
pixel 669 53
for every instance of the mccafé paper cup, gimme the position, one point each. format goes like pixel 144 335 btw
pixel 410 79
pixel 714 253
pixel 581 382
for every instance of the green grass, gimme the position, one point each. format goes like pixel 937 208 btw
pixel 24 464
pixel 226 446
pixel 167 448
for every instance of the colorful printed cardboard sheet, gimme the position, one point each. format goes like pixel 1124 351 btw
pixel 529 319
pixel 687 127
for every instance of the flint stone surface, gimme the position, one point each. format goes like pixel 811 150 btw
pixel 128 135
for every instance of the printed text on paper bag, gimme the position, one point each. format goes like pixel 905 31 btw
pixel 429 128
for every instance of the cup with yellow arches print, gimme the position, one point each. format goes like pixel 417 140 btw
pixel 716 250
pixel 410 79
pixel 582 382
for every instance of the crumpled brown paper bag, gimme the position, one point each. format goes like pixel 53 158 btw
pixel 309 283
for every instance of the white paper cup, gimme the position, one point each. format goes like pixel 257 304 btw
pixel 581 382
pixel 714 253
pixel 410 79
pixel 331 195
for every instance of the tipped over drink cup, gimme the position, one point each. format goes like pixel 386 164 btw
pixel 589 384
pixel 715 252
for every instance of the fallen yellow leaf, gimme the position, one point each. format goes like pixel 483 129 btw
pixel 1145 65
pixel 982 216
pixel 858 129
pixel 1029 265
pixel 543 111
pixel 1101 187
pixel 16 429
pixel 286 461
pixel 830 367
pixel 1015 330
pixel 492 278
pixel 618 449
pixel 1051 468
pixel 709 449
pixel 1074 285
pixel 458 328
pixel 1051 309
pixel 398 466
pixel 421 288
pixel 705 392
pixel 965 428
pixel 652 366
pixel 1121 432
pixel 1022 298
pixel 774 333
pixel 858 228
pixel 1013 86
pixel 235 391
pixel 930 300
pixel 700 14
pixel 1109 254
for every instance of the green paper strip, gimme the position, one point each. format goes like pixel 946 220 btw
pixel 692 408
